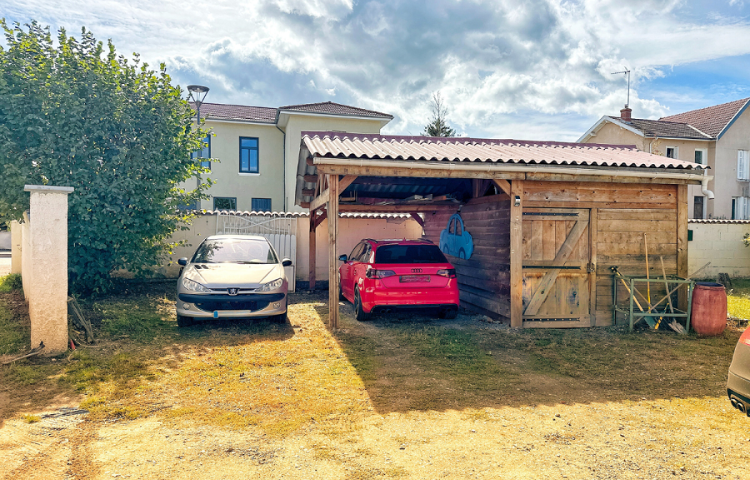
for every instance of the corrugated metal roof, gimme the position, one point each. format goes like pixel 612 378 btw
pixel 245 213
pixel 459 149
pixel 716 221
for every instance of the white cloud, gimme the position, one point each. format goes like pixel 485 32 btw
pixel 504 67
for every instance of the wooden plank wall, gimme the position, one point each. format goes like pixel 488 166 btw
pixel 623 212
pixel 484 279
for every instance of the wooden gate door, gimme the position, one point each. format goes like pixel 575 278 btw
pixel 557 269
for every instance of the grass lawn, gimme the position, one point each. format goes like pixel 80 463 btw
pixel 738 299
pixel 398 397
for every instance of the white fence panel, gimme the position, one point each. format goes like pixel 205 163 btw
pixel 279 230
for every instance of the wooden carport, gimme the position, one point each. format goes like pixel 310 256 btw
pixel 549 218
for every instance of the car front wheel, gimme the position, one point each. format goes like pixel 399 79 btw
pixel 279 318
pixel 183 321
pixel 359 310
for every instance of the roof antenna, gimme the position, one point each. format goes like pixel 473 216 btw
pixel 627 73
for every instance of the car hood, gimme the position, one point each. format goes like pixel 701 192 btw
pixel 217 275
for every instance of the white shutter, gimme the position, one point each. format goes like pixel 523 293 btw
pixel 739 208
pixel 743 165
pixel 746 210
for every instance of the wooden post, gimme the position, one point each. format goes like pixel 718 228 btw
pixel 313 252
pixel 682 243
pixel 593 238
pixel 516 254
pixel 333 261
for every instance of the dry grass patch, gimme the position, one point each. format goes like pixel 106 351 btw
pixel 273 380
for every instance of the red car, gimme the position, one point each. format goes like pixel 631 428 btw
pixel 380 275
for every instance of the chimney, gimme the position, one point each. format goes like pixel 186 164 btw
pixel 625 113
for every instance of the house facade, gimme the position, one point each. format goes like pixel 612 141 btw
pixel 717 136
pixel 253 150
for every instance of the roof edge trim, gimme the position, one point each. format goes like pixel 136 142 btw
pixel 734 118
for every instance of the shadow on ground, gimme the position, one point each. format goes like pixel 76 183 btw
pixel 417 363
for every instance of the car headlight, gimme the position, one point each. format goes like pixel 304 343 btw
pixel 194 286
pixel 267 287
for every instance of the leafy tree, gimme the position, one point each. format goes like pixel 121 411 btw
pixel 74 113
pixel 438 126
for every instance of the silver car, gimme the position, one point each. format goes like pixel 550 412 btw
pixel 232 276
pixel 738 383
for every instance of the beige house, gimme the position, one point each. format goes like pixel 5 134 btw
pixel 717 136
pixel 254 149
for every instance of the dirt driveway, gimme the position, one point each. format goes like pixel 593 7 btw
pixel 397 397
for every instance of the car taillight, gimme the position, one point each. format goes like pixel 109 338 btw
pixel 374 273
pixel 745 338
pixel 447 272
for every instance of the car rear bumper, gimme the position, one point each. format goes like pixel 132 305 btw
pixel 226 306
pixel 410 298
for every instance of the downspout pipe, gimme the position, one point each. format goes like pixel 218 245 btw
pixel 283 158
pixel 704 186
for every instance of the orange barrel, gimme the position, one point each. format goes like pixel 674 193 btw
pixel 709 310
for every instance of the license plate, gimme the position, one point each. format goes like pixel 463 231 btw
pixel 414 278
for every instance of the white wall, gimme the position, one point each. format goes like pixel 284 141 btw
pixel 351 231
pixel 721 244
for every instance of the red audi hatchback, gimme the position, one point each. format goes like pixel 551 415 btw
pixel 381 275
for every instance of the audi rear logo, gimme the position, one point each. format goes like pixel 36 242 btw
pixel 416 270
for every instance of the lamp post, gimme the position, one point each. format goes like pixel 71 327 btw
pixel 197 93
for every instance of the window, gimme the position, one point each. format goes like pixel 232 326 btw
pixel 261 204
pixel 452 226
pixel 356 252
pixel 740 208
pixel 698 210
pixel 225 203
pixel 459 231
pixel 672 152
pixel 701 156
pixel 249 156
pixel 409 254
pixel 205 152
pixel 365 257
pixel 743 165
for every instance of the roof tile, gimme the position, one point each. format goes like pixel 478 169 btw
pixel 660 128
pixel 710 120
pixel 336 109
pixel 237 112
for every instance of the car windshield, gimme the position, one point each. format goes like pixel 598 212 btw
pixel 235 250
pixel 409 254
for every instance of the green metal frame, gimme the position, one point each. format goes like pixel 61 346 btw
pixel 635 316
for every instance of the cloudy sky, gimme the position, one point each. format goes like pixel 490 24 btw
pixel 532 69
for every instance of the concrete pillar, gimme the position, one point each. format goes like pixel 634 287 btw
pixel 48 258
pixel 25 256
pixel 16 236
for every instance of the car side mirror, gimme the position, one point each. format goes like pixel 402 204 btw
pixel 183 261
pixel 343 258
pixel 286 262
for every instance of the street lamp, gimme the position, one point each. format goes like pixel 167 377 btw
pixel 197 93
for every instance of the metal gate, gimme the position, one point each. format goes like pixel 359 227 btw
pixel 280 230
pixel 556 268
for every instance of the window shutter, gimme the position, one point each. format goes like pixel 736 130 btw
pixel 743 165
pixel 739 210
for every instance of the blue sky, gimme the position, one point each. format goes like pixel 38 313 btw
pixel 537 69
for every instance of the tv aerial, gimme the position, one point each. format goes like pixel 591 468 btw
pixel 627 74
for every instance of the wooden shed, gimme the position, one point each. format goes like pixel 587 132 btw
pixel 546 220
